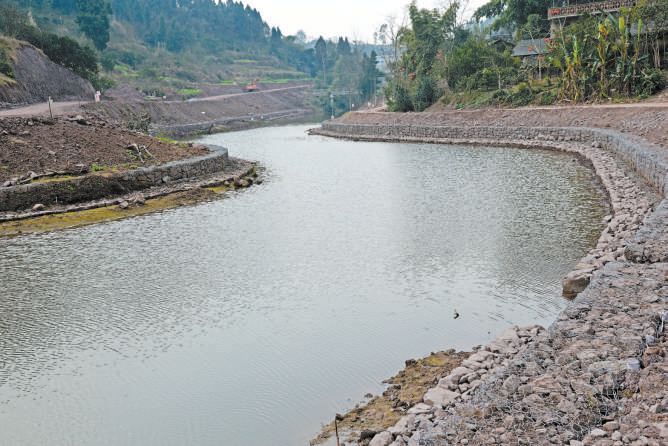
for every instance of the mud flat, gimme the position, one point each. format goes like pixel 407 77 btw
pixel 599 374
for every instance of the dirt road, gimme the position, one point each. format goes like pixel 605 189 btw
pixel 42 109
pixel 64 108
pixel 234 95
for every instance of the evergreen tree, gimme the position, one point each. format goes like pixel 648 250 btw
pixel 93 20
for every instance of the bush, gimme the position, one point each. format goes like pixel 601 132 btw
pixel 487 79
pixel 399 98
pixel 6 67
pixel 547 98
pixel 651 80
pixel 102 83
pixel 501 97
pixel 426 93
pixel 108 61
pixel 523 96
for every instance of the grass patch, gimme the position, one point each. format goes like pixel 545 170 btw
pixel 56 179
pixel 49 223
pixel 166 139
pixel 189 92
pixel 6 81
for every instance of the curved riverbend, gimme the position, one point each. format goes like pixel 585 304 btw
pixel 252 320
pixel 597 375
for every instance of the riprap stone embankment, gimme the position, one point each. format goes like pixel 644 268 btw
pixel 599 374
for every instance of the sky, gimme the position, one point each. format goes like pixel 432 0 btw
pixel 356 19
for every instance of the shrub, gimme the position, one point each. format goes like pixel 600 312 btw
pixel 399 98
pixel 6 67
pixel 426 93
pixel 546 98
pixel 523 96
pixel 650 81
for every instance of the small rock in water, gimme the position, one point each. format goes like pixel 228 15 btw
pixel 38 207
pixel 124 205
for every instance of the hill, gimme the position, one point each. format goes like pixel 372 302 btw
pixel 164 47
pixel 35 78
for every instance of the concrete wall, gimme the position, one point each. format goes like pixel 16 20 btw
pixel 100 185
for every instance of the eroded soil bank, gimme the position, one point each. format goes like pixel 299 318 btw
pixel 599 374
pixel 78 170
pixel 77 145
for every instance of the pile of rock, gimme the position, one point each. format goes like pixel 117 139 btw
pixel 598 377
pixel 460 383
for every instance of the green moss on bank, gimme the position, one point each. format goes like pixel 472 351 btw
pixel 70 220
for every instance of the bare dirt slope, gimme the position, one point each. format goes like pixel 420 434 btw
pixel 42 145
pixel 209 109
pixel 38 78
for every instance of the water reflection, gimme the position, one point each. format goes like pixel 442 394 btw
pixel 250 321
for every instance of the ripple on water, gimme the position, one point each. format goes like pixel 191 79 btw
pixel 254 319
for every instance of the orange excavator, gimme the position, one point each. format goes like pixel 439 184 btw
pixel 250 88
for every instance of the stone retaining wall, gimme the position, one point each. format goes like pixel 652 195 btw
pixel 599 375
pixel 183 130
pixel 99 185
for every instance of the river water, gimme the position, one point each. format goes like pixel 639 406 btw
pixel 252 320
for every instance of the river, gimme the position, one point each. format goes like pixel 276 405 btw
pixel 250 321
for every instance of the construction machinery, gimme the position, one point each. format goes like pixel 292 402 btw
pixel 250 88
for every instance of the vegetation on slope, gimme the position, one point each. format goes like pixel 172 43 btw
pixel 184 49
pixel 600 57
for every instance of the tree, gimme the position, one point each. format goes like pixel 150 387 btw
pixel 655 13
pixel 93 21
pixel 321 55
pixel 514 13
pixel 370 75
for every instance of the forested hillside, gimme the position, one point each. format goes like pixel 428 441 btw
pixel 593 58
pixel 185 49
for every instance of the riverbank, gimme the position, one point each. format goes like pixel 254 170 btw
pixel 599 375
pixel 74 171
pixel 272 104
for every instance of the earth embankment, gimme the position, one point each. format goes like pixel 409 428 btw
pixel 36 78
pixel 214 113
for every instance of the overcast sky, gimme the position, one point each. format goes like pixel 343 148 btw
pixel 356 19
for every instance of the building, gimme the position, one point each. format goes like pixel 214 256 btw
pixel 531 48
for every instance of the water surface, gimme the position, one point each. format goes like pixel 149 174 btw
pixel 252 320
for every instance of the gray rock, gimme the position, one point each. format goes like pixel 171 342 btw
pixel 382 439
pixel 403 426
pixel 439 397
pixel 38 207
pixel 598 433
pixel 575 282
